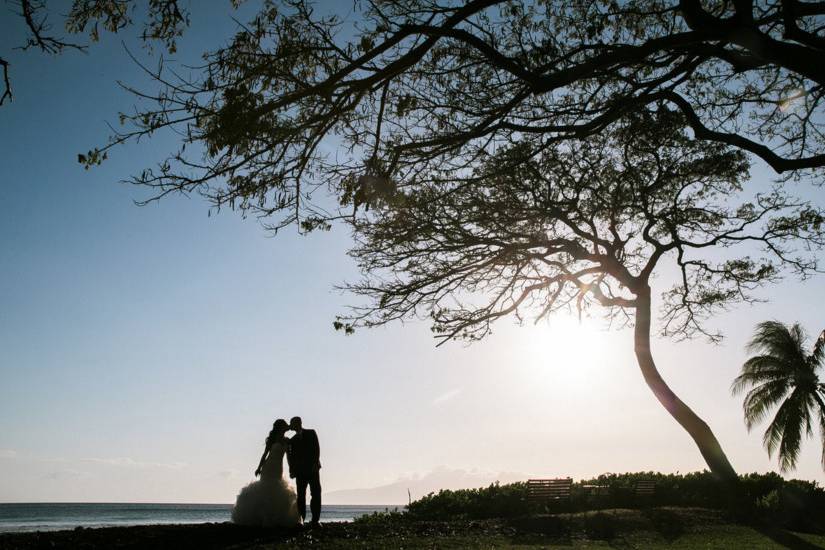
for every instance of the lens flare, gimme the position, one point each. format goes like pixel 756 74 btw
pixel 792 100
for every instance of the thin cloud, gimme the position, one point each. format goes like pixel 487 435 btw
pixel 127 462
pixel 65 474
pixel 8 453
pixel 120 461
pixel 443 398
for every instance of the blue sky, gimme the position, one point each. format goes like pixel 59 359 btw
pixel 144 352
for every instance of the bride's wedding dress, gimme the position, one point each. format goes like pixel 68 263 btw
pixel 269 501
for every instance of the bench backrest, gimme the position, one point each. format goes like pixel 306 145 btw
pixel 549 488
pixel 645 487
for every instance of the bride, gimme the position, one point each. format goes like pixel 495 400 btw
pixel 269 501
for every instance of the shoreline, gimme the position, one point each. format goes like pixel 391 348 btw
pixel 59 529
pixel 157 535
pixel 49 517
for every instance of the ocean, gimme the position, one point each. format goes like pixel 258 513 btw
pixel 56 516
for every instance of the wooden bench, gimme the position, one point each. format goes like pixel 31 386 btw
pixel 549 490
pixel 644 488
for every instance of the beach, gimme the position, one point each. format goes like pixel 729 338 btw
pixel 23 517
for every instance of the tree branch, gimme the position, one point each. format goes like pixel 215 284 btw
pixel 7 89
pixel 776 162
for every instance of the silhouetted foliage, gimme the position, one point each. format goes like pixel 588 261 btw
pixel 165 21
pixel 405 86
pixel 495 501
pixel 387 517
pixel 783 374
pixel 580 224
pixel 416 82
pixel 768 499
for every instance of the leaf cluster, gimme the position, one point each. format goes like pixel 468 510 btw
pixel 303 100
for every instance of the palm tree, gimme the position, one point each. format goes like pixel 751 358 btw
pixel 782 373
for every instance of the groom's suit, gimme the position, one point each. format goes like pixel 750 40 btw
pixel 304 457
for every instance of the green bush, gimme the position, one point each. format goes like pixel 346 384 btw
pixel 692 489
pixel 768 504
pixel 387 517
pixel 794 504
pixel 767 498
pixel 495 501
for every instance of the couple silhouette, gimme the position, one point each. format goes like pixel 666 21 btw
pixel 270 501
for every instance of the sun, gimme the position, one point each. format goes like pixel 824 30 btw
pixel 566 351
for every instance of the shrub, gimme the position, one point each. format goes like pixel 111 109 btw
pixel 387 517
pixel 768 504
pixel 495 501
pixel 765 497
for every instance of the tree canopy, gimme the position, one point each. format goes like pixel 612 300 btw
pixel 407 86
pixel 409 83
pixel 582 223
pixel 165 21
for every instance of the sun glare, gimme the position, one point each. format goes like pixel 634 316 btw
pixel 566 351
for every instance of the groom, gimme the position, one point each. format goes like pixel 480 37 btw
pixel 304 457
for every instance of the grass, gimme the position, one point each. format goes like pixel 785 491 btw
pixel 655 528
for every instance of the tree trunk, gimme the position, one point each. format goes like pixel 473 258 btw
pixel 695 426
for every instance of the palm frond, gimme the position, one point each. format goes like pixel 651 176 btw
pixel 775 339
pixel 798 336
pixel 817 357
pixel 761 399
pixel 819 396
pixel 784 433
pixel 764 364
pixel 759 370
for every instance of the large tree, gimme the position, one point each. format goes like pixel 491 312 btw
pixel 587 222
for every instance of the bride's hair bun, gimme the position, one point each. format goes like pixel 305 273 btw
pixel 279 425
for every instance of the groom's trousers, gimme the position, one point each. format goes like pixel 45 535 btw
pixel 314 482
